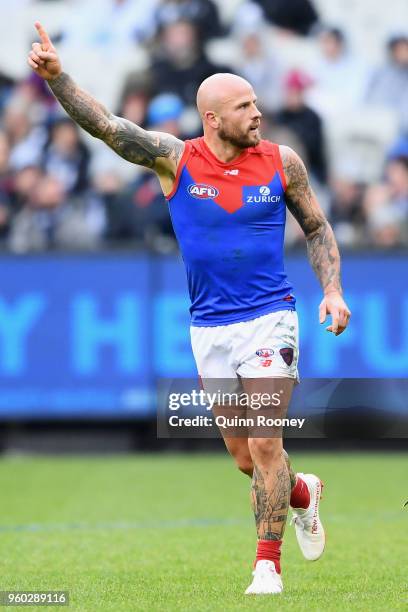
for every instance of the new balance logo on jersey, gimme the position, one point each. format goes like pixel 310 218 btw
pixel 233 172
pixel 257 195
pixel 202 191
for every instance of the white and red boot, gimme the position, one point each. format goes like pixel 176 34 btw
pixel 309 529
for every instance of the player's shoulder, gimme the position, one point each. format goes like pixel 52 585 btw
pixel 264 147
pixel 195 145
pixel 291 161
pixel 290 156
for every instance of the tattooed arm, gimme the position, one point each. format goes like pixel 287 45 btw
pixel 321 243
pixel 156 150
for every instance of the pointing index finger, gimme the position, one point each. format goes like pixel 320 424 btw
pixel 43 34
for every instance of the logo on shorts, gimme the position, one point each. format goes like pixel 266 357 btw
pixel 202 191
pixel 265 353
pixel 287 355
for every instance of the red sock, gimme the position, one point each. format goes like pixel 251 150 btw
pixel 300 496
pixel 270 550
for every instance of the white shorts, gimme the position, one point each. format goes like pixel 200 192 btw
pixel 267 346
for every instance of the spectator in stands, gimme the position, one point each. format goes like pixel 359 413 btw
pixel 304 122
pixel 385 229
pixel 26 138
pixel 164 114
pixel 202 13
pixel 110 25
pixel 55 193
pixel 140 212
pixel 397 177
pixel 25 188
pixel 6 87
pixel 346 211
pixel 49 220
pixel 37 92
pixel 24 183
pixel 5 185
pixel 135 97
pixel 180 63
pixel 389 84
pixel 296 16
pixel 66 156
pixel 386 204
pixel 340 78
pixel 4 162
pixel 259 65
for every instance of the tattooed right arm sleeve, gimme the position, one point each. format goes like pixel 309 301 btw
pixel 151 149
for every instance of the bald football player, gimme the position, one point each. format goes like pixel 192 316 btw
pixel 227 194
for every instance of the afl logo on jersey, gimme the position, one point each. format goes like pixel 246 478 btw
pixel 202 191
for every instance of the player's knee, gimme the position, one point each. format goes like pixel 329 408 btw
pixel 245 465
pixel 265 449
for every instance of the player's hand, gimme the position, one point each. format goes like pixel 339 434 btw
pixel 334 305
pixel 43 57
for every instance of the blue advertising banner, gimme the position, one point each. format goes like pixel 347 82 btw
pixel 89 335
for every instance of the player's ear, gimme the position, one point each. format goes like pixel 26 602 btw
pixel 212 119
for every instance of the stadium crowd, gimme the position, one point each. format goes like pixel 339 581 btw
pixel 347 119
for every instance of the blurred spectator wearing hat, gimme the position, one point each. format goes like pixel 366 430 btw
pixel 389 84
pixel 140 211
pixel 304 122
pixel 164 114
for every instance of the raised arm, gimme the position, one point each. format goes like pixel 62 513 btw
pixel 156 150
pixel 321 243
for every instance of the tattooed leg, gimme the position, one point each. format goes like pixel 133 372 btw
pixel 238 449
pixel 271 484
pixel 292 474
pixel 270 490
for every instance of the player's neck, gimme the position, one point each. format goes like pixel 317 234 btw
pixel 224 151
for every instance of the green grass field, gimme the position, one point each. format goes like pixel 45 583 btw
pixel 175 532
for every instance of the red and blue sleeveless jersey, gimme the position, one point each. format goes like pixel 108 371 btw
pixel 229 220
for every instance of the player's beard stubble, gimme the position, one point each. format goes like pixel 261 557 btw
pixel 238 138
